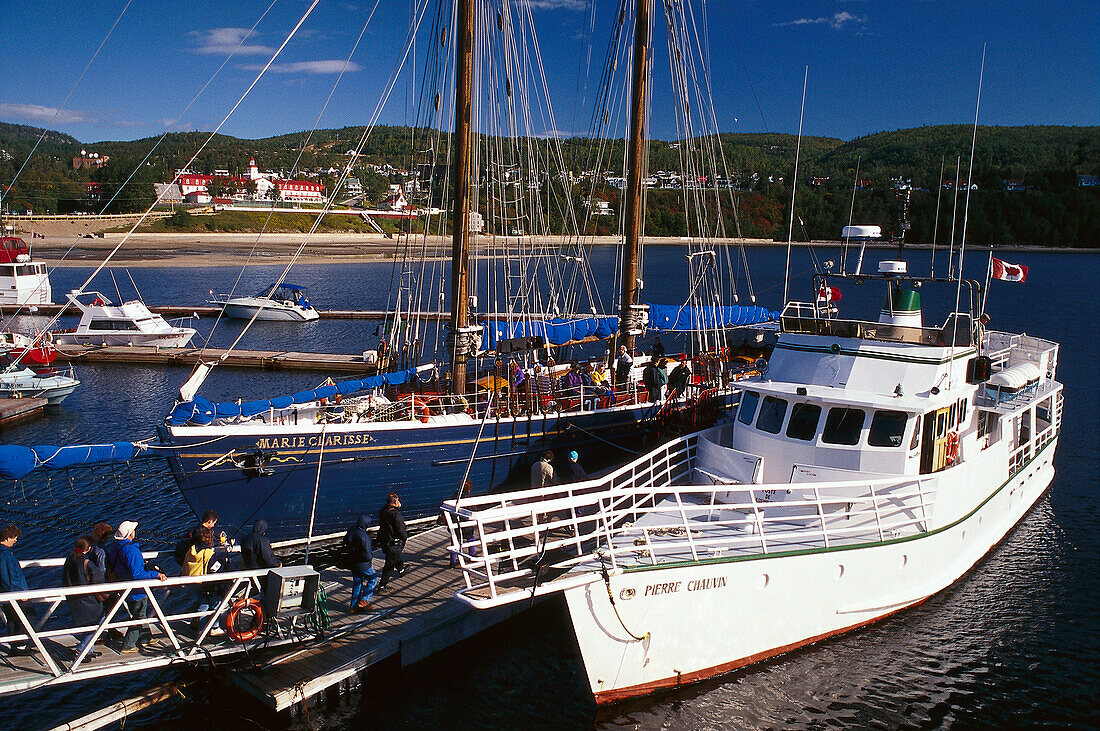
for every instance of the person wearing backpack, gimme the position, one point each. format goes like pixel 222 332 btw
pixel 197 563
pixel 357 548
pixel 86 609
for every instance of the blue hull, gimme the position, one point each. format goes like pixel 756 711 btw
pixel 271 472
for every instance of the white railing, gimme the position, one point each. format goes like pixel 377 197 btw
pixel 645 514
pixel 186 633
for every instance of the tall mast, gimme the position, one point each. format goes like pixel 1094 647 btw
pixel 637 142
pixel 460 219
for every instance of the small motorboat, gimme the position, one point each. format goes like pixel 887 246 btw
pixel 131 323
pixel 23 281
pixel 51 384
pixel 27 350
pixel 282 302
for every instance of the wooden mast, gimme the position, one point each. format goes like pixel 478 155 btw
pixel 460 218
pixel 635 172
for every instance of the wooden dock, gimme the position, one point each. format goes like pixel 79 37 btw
pixel 269 360
pixel 15 409
pixel 417 617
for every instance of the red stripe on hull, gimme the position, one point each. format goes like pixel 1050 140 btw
pixel 614 696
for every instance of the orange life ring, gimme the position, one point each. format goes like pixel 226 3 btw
pixel 952 448
pixel 238 634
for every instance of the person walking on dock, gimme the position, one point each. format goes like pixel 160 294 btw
pixel 391 536
pixel 125 560
pixel 542 472
pixel 86 609
pixel 197 563
pixel 256 552
pixel 364 577
pixel 12 578
pixel 572 471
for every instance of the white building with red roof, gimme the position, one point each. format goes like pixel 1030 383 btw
pixel 196 187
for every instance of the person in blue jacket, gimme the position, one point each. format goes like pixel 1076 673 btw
pixel 363 574
pixel 125 560
pixel 12 578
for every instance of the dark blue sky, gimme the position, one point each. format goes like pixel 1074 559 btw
pixel 873 65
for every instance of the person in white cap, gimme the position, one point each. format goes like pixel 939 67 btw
pixel 125 560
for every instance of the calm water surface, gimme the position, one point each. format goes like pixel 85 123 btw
pixel 1014 643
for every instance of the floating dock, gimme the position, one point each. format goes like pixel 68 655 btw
pixel 15 409
pixel 269 360
pixel 417 617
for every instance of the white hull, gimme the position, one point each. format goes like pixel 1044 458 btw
pixel 160 340
pixel 269 312
pixel 25 384
pixel 707 618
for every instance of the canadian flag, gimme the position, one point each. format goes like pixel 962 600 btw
pixel 1009 272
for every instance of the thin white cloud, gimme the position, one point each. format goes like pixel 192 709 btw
pixel 307 67
pixel 36 113
pixel 224 41
pixel 556 4
pixel 837 21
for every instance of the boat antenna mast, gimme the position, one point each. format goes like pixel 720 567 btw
pixel 461 338
pixel 897 236
pixel 629 325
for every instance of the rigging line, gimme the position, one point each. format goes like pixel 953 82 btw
pixel 936 225
pixel 145 159
pixel 316 483
pixel 65 101
pixel 966 208
pixel 271 212
pixel 954 211
pixel 141 164
pixel 794 187
pixel 194 157
pixel 851 217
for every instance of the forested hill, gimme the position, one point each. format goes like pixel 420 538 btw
pixel 1027 185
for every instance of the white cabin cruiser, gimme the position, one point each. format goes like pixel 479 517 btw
pixel 23 281
pixel 130 323
pixel 278 302
pixel 871 466
pixel 51 385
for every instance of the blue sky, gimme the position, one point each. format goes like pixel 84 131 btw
pixel 873 65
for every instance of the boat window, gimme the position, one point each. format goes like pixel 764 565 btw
pixel 24 269
pixel 748 407
pixel 109 325
pixel 987 425
pixel 962 410
pixel 772 411
pixel 843 426
pixel 887 429
pixel 803 422
pixel 8 271
pixel 1044 415
pixel 916 436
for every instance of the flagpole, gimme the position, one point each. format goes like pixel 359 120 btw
pixel 988 279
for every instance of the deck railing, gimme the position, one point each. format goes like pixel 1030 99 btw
pixel 55 645
pixel 645 514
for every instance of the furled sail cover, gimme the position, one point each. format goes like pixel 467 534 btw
pixel 684 318
pixel 556 331
pixel 17 461
pixel 201 411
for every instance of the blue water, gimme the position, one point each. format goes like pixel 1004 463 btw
pixel 1016 642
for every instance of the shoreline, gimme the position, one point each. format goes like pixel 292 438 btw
pixel 195 250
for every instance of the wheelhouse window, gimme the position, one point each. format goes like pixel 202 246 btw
pixel 772 411
pixel 887 429
pixel 803 421
pixel 843 426
pixel 748 407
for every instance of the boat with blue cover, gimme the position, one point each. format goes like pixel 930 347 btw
pixel 280 301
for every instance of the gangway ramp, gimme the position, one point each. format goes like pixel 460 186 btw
pixel 415 618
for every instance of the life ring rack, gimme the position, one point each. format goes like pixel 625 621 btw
pixel 239 634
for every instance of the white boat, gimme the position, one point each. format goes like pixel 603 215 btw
pixel 51 385
pixel 130 323
pixel 869 468
pixel 22 280
pixel 280 302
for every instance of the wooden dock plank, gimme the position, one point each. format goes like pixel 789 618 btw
pixel 15 409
